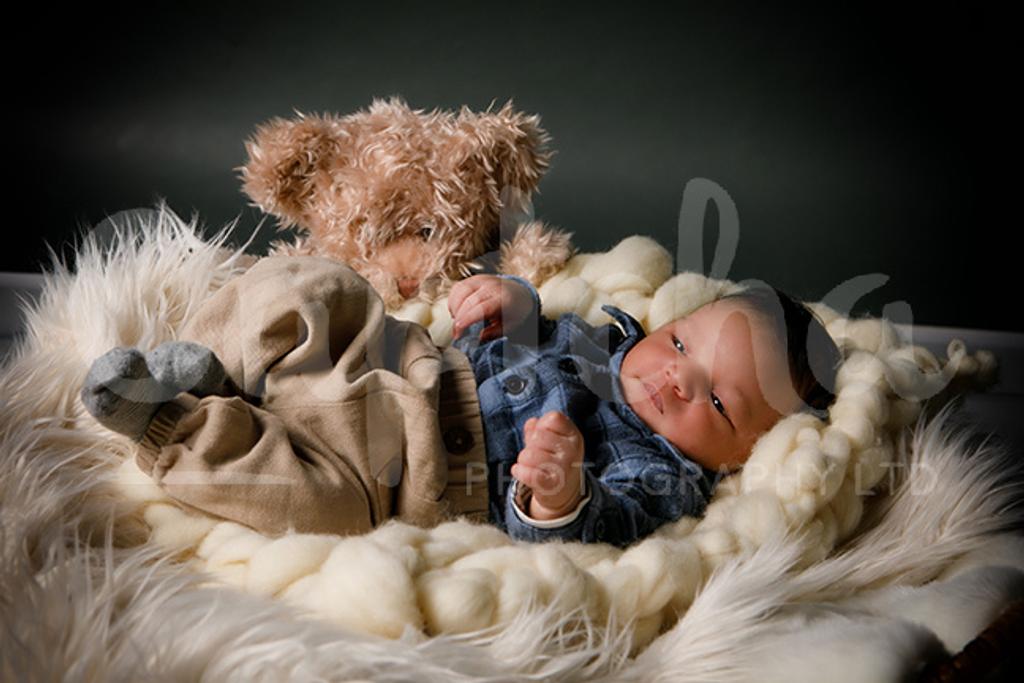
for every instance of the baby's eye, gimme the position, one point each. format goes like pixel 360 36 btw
pixel 717 402
pixel 678 344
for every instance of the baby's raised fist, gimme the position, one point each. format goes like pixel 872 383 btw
pixel 551 464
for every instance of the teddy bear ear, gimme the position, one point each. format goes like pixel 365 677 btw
pixel 515 144
pixel 286 160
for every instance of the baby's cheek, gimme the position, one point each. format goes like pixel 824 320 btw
pixel 692 431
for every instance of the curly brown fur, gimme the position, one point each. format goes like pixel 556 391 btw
pixel 407 198
pixel 536 252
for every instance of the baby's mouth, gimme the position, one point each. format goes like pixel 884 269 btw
pixel 655 396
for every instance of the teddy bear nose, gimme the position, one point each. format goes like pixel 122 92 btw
pixel 407 286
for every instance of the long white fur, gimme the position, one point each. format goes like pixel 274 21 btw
pixel 943 506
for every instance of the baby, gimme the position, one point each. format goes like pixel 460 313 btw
pixel 298 404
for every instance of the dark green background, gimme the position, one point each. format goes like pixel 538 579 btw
pixel 869 141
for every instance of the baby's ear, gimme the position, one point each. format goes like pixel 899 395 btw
pixel 287 161
pixel 513 144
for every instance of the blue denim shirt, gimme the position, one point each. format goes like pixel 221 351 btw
pixel 635 480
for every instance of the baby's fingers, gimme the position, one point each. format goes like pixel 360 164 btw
pixel 557 423
pixel 461 290
pixel 544 480
pixel 552 441
pixel 478 306
pixel 533 456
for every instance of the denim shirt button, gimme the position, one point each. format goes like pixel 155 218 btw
pixel 515 385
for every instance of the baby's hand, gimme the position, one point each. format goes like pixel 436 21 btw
pixel 551 464
pixel 499 301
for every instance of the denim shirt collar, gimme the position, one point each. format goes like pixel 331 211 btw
pixel 634 332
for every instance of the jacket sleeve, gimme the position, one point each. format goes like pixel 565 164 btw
pixel 627 501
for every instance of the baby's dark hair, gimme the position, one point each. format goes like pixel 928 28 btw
pixel 812 354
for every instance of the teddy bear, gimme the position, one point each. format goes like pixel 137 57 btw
pixel 409 199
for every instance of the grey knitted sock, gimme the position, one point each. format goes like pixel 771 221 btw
pixel 120 392
pixel 187 366
pixel 125 388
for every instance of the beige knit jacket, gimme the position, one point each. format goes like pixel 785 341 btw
pixel 347 416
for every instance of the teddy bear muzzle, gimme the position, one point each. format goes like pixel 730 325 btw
pixel 407 286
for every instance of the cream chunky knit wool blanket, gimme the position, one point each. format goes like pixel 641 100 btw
pixel 687 596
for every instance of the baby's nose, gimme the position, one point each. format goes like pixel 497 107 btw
pixel 686 382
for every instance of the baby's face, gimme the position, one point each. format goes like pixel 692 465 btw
pixel 711 383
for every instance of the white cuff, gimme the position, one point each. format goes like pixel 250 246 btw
pixel 545 523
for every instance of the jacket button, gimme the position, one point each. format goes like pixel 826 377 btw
pixel 515 385
pixel 568 366
pixel 458 440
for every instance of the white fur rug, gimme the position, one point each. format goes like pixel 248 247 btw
pixel 101 578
